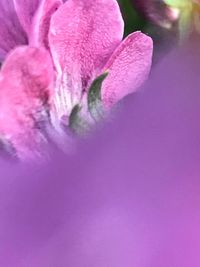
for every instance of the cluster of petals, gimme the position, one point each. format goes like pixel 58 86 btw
pixel 51 51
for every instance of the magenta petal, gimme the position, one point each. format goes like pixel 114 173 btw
pixel 25 93
pixel 83 34
pixel 128 68
pixel 41 22
pixel 11 32
pixel 25 10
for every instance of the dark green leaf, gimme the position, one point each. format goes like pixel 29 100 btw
pixel 76 121
pixel 94 97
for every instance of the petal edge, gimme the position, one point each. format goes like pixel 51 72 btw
pixel 128 68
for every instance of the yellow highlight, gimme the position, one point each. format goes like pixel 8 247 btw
pixel 189 15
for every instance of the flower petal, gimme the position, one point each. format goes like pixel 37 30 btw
pixel 25 95
pixel 82 37
pixel 41 22
pixel 25 10
pixel 128 68
pixel 11 32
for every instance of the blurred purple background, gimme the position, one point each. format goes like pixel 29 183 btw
pixel 128 197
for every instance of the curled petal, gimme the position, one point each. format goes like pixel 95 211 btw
pixel 25 97
pixel 25 10
pixel 83 35
pixel 41 22
pixel 11 32
pixel 128 68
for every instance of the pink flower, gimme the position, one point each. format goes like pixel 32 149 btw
pixel 25 94
pixel 18 21
pixel 81 40
pixel 86 43
pixel 12 33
